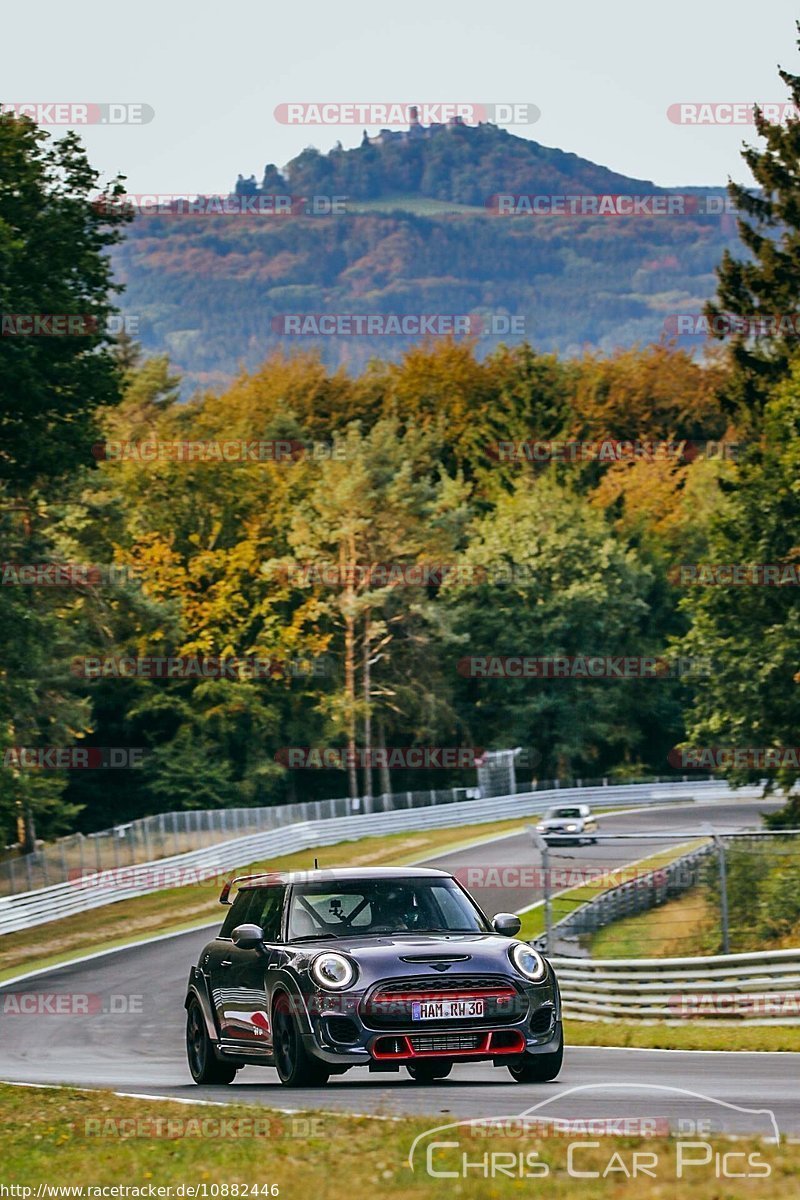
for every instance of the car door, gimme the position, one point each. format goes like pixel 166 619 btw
pixel 244 1009
pixel 220 959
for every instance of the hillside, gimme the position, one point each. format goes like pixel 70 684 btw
pixel 418 236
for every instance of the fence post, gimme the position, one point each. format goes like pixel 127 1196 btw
pixel 541 845
pixel 723 894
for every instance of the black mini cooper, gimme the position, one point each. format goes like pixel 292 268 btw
pixel 317 972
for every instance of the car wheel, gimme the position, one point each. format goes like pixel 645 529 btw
pixel 295 1066
pixel 203 1063
pixel 428 1072
pixel 538 1068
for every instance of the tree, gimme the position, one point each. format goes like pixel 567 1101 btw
pixel 571 589
pixel 382 505
pixel 53 265
pixel 53 241
pixel 751 633
pixel 764 288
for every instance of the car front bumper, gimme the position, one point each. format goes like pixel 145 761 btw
pixel 487 1040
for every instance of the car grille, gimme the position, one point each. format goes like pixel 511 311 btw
pixel 541 1019
pixel 485 1043
pixel 445 1041
pixel 388 1006
pixel 342 1029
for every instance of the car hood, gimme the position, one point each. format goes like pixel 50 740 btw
pixel 421 954
pixel 562 822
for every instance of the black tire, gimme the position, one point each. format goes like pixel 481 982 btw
pixel 203 1063
pixel 428 1072
pixel 295 1066
pixel 538 1068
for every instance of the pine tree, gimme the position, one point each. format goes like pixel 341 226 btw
pixel 763 289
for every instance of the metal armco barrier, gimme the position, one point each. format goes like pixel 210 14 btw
pixel 634 896
pixel 759 988
pixel 28 909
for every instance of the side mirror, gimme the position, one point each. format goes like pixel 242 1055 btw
pixel 248 937
pixel 508 924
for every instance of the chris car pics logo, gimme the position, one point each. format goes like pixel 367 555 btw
pixel 692 1144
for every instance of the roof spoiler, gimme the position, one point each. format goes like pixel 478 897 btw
pixel 224 896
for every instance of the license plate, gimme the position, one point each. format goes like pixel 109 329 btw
pixel 445 1010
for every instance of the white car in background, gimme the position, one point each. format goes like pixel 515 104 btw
pixel 568 823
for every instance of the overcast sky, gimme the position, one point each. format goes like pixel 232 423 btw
pixel 603 76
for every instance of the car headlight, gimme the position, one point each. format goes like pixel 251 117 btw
pixel 528 962
pixel 572 828
pixel 332 971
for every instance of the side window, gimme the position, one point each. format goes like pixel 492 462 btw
pixel 267 910
pixel 237 914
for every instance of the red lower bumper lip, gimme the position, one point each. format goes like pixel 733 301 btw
pixel 494 1042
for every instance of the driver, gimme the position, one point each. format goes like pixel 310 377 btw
pixel 396 911
pixel 390 910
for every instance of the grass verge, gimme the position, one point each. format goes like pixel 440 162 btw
pixel 694 1035
pixel 96 1139
pixel 565 902
pixel 685 926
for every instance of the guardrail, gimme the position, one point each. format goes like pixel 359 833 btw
pixel 759 988
pixel 85 892
pixel 168 833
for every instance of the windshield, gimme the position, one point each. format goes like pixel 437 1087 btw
pixel 375 906
pixel 571 813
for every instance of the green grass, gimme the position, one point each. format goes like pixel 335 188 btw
pixel 689 1035
pixel 685 926
pixel 68 1137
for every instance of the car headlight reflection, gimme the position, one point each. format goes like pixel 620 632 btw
pixel 528 962
pixel 332 971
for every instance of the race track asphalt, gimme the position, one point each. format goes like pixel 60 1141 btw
pixel 132 1040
